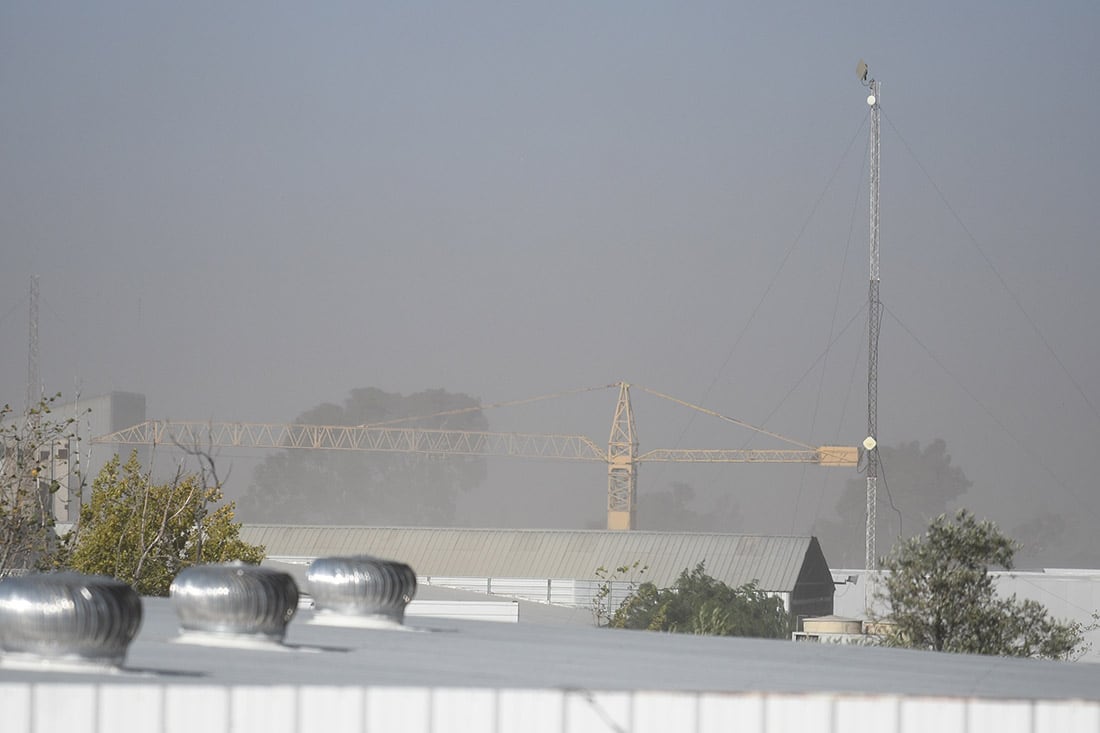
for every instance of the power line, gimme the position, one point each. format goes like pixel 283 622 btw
pixel 14 308
pixel 478 408
pixel 1011 294
pixel 1022 445
pixel 890 496
pixel 832 328
pixel 806 373
pixel 843 413
pixel 774 279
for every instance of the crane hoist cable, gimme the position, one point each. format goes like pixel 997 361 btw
pixel 478 408
pixel 727 418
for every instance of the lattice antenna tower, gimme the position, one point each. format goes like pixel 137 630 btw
pixel 34 387
pixel 874 321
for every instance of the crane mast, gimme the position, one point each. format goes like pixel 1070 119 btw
pixel 622 465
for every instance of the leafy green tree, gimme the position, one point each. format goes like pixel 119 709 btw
pixel 144 533
pixel 941 596
pixel 700 604
pixel 27 446
pixel 923 484
pixel 371 488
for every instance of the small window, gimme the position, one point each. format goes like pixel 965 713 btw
pixel 62 454
pixel 43 455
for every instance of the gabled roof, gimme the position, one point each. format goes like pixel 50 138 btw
pixel 775 563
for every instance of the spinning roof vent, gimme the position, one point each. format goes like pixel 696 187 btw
pixel 236 599
pixel 68 617
pixel 365 587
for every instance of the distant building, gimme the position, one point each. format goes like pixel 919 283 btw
pixel 559 566
pixel 1068 594
pixel 75 463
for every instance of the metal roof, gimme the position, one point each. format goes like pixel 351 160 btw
pixel 453 653
pixel 459 676
pixel 529 611
pixel 775 563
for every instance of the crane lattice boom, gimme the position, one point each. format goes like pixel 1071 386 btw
pixel 357 438
pixel 621 455
pixel 443 442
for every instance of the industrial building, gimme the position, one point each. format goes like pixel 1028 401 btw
pixel 453 666
pixel 559 566
pixel 444 675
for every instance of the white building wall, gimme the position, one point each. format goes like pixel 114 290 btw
pixel 94 416
pixel 146 708
pixel 555 591
pixel 1069 595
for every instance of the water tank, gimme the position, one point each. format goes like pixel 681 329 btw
pixel 832 625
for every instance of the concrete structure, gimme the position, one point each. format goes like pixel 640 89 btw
pixel 559 566
pixel 75 463
pixel 447 675
pixel 99 416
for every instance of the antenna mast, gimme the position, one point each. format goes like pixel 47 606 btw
pixel 874 321
pixel 34 389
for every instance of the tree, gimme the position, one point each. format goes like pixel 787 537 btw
pixel 27 447
pixel 371 488
pixel 1041 533
pixel 603 602
pixel 144 532
pixel 671 511
pixel 941 596
pixel 699 604
pixel 922 483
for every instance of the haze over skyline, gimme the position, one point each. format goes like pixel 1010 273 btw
pixel 245 210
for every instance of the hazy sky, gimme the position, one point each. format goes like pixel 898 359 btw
pixel 245 209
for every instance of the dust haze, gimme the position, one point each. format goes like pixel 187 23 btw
pixel 245 212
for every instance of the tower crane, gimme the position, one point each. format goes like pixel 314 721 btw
pixel 622 456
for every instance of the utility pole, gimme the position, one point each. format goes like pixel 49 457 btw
pixel 874 322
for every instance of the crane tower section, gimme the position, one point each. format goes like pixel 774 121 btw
pixel 622 465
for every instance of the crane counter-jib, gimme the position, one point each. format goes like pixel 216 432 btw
pixel 835 456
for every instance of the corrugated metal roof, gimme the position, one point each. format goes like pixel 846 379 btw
pixel 532 656
pixel 773 562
